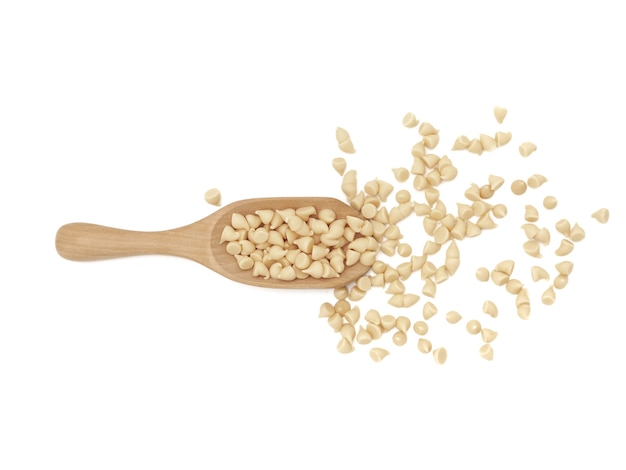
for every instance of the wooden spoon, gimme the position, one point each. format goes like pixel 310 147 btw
pixel 200 242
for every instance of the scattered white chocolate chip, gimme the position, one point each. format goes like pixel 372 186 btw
pixel 538 273
pixel 427 129
pixel 344 140
pixel 565 267
pixel 490 309
pixel 565 248
pixel 461 143
pixel 563 227
pixel 499 211
pixel 526 148
pixel 518 187
pixel 473 327
pixel 420 327
pixel 440 355
pixel 424 345
pixel 534 181
pixel 339 164
pixel 601 215
pixel 487 142
pixel 548 297
pixel 213 197
pixel 486 351
pixel 531 214
pixel 506 266
pixel 378 354
pixel 399 338
pixel 488 335
pixel 532 248
pixel 429 310
pixel 514 286
pixel 482 274
pixel 560 281
pixel 549 202
pixel 453 317
pixel 503 138
pixel 577 234
pixel 542 236
pixel 499 113
pixel 409 120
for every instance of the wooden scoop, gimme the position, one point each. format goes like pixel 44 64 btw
pixel 200 242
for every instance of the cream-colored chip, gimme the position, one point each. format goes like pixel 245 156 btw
pixel 475 147
pixel 339 164
pixel 532 248
pixel 399 338
pixel 548 297
pixel 424 345
pixel 523 311
pixel 530 230
pixel 543 236
pixel 495 182
pixel 565 267
pixel 430 288
pixel 577 234
pixel 503 138
pixel 378 354
pixel 563 227
pixel 403 323
pixel 340 293
pixel 538 273
pixel 344 346
pixel 499 113
pixel 420 327
pixel 488 335
pixel 485 191
pixel 601 215
pixel 499 278
pixel 353 315
pixel 499 211
pixel 453 317
pixel 427 129
pixel 473 327
pixel 488 143
pixel 440 355
pixel 363 336
pixel 482 274
pixel 513 286
pixel 549 202
pixel 505 266
pixel 375 331
pixel 372 316
pixel 429 310
pixel 335 321
pixel 565 248
pixel 531 214
pixel 213 197
pixel 344 140
pixel 490 308
pixel 526 148
pixel 326 310
pixel 409 120
pixel 461 143
pixel 560 281
pixel 486 351
pixel 536 180
pixel 518 187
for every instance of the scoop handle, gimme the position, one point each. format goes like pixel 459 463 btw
pixel 88 242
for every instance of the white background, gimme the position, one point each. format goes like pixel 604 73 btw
pixel 124 113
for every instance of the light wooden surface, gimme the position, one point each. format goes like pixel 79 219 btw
pixel 199 241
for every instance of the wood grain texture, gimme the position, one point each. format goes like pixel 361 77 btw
pixel 199 241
